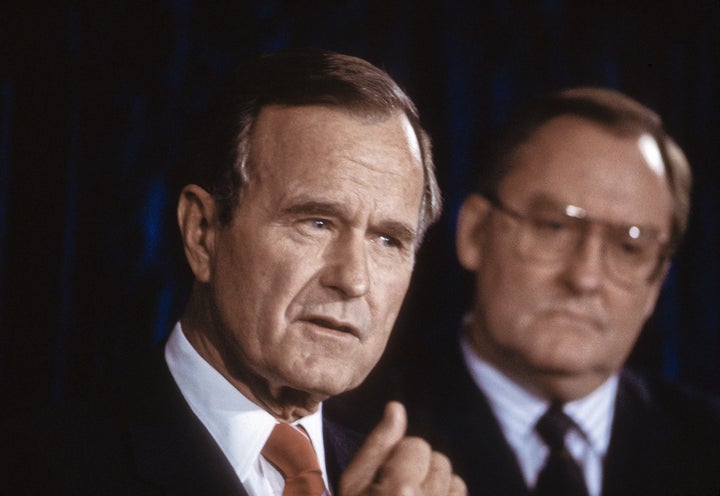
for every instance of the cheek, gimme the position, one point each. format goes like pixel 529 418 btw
pixel 389 295
pixel 253 290
pixel 276 272
pixel 508 289
pixel 628 317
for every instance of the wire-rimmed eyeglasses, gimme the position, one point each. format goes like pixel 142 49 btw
pixel 632 255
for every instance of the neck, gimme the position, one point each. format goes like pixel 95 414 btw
pixel 551 384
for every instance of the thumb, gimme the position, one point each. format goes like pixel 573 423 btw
pixel 363 469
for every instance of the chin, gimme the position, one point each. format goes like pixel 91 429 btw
pixel 562 365
pixel 332 378
pixel 553 363
pixel 320 390
pixel 336 388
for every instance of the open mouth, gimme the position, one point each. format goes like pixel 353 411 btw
pixel 333 325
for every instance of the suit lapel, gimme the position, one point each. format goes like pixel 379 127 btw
pixel 470 434
pixel 175 452
pixel 172 448
pixel 494 468
pixel 625 441
pixel 648 453
pixel 340 447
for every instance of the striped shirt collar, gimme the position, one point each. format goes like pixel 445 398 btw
pixel 518 410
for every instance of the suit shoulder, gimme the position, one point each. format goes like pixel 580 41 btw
pixel 678 405
pixel 51 450
pixel 73 444
pixel 660 391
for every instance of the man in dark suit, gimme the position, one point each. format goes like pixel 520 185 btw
pixel 581 201
pixel 310 185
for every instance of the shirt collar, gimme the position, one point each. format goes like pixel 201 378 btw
pixel 239 426
pixel 518 410
pixel 594 414
pixel 515 408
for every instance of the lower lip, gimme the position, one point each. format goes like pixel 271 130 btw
pixel 329 331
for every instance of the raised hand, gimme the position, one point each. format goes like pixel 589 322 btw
pixel 390 463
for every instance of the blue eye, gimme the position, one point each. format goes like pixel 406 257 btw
pixel 318 223
pixel 389 242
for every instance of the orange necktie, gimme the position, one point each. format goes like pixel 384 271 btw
pixel 291 452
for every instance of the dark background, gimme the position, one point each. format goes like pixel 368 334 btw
pixel 96 97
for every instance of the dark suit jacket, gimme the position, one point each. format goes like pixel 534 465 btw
pixel 664 441
pixel 140 439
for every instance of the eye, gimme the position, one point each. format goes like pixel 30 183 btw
pixel 638 249
pixel 390 242
pixel 631 248
pixel 550 224
pixel 314 226
pixel 317 224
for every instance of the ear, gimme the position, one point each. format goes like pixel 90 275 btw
pixel 197 219
pixel 470 231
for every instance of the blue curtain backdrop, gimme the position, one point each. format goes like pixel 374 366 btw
pixel 95 99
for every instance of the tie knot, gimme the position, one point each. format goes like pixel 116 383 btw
pixel 291 452
pixel 553 426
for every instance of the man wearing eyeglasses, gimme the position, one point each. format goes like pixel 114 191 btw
pixel 582 200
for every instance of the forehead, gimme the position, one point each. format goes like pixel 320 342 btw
pixel 314 148
pixel 309 125
pixel 574 161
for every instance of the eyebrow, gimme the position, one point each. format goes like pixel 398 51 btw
pixel 320 208
pixel 396 229
pixel 543 201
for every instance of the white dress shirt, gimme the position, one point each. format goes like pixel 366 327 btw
pixel 239 426
pixel 518 410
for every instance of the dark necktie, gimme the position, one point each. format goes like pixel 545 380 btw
pixel 561 475
pixel 291 452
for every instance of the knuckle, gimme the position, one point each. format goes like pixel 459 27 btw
pixel 416 444
pixel 457 486
pixel 393 488
pixel 441 462
pixel 406 490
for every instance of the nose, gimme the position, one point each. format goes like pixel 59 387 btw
pixel 347 266
pixel 584 271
